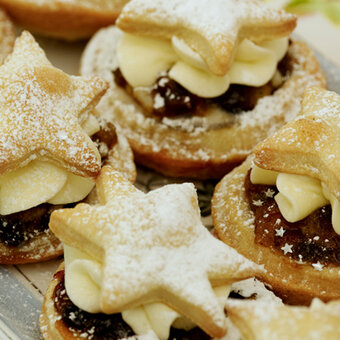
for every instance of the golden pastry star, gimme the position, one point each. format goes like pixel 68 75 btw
pixel 258 320
pixel 212 30
pixel 39 110
pixel 308 145
pixel 153 248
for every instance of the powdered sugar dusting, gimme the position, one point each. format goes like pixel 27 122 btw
pixel 40 106
pixel 323 106
pixel 277 322
pixel 312 139
pixel 94 5
pixel 7 36
pixel 225 17
pixel 154 243
pixel 42 247
pixel 219 27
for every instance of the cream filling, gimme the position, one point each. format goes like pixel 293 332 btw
pixel 141 61
pixel 298 195
pixel 41 181
pixel 83 285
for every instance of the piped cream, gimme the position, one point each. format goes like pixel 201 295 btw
pixel 298 195
pixel 43 182
pixel 142 59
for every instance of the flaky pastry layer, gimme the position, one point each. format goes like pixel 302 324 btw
pixel 310 145
pixel 40 248
pixel 51 325
pixel 263 320
pixel 65 19
pixel 7 36
pixel 40 111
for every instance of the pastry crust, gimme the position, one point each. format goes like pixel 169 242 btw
pixel 7 36
pixel 51 325
pixel 212 31
pixel 294 282
pixel 264 320
pixel 120 158
pixel 40 112
pixel 192 147
pixel 310 145
pixel 64 19
pixel 43 247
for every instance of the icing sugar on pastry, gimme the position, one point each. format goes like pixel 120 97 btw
pixel 40 106
pixel 149 248
pixel 314 134
pixel 42 140
pixel 7 36
pixel 211 31
pixel 264 320
pixel 65 19
pixel 186 45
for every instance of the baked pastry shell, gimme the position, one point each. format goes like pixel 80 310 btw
pixel 184 150
pixel 7 36
pixel 52 326
pixel 40 248
pixel 68 20
pixel 295 283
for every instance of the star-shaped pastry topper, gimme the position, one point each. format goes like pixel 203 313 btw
pixel 308 145
pixel 258 320
pixel 213 30
pixel 40 108
pixel 153 247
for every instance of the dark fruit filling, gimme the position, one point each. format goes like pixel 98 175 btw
pixel 171 99
pixel 240 98
pixel 105 139
pixel 20 227
pixel 17 228
pixel 312 239
pixel 175 99
pixel 103 326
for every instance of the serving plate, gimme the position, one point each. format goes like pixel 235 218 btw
pixel 22 286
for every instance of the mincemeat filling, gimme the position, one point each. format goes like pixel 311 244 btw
pixel 176 100
pixel 102 326
pixel 17 228
pixel 310 240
